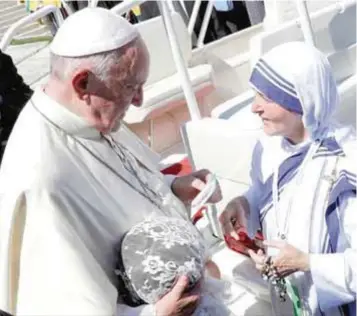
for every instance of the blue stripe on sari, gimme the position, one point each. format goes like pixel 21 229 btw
pixel 276 81
pixel 288 169
pixel 287 172
pixel 274 92
pixel 349 309
pixel 345 183
pixel 280 78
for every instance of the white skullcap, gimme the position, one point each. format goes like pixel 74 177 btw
pixel 91 31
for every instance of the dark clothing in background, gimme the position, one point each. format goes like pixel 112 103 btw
pixel 211 33
pixel 234 20
pixel 220 23
pixel 2 313
pixel 14 94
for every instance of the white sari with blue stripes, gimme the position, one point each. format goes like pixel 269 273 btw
pixel 321 220
pixel 315 205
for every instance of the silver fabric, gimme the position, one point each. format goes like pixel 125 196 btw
pixel 158 250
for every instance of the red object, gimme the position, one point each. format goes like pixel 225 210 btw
pixel 179 169
pixel 244 243
pixel 183 168
pixel 198 215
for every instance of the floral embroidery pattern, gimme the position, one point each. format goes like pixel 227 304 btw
pixel 158 250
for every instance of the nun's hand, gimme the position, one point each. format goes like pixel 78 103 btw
pixel 187 187
pixel 259 258
pixel 289 259
pixel 234 216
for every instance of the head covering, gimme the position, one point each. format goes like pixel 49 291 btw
pixel 298 77
pixel 154 253
pixel 91 31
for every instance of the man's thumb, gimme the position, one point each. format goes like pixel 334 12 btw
pixel 180 286
pixel 198 184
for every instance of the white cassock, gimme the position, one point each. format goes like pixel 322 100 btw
pixel 66 191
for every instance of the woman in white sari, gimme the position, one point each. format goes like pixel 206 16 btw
pixel 303 185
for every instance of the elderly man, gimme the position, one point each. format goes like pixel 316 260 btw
pixel 70 188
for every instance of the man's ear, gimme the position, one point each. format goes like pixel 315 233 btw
pixel 80 83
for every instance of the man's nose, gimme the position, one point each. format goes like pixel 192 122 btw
pixel 138 98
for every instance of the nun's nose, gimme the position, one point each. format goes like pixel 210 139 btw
pixel 257 106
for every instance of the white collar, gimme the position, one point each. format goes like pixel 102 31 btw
pixel 293 148
pixel 61 117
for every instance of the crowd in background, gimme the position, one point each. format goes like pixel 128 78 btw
pixel 227 16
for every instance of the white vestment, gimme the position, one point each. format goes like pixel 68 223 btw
pixel 66 190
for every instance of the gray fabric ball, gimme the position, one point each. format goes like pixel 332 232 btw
pixel 155 252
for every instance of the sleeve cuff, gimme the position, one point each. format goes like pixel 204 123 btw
pixel 169 178
pixel 143 310
pixel 149 310
pixel 253 221
pixel 331 284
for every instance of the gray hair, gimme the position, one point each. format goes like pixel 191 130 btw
pixel 100 64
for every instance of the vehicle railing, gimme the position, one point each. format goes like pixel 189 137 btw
pixel 182 71
pixel 40 13
pixel 67 7
pixel 205 23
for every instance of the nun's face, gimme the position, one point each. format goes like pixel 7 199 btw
pixel 276 119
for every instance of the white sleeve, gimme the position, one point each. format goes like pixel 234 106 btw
pixel 334 275
pixel 169 178
pixel 57 274
pixel 254 192
pixel 144 310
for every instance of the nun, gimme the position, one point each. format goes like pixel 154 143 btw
pixel 303 191
pixel 73 180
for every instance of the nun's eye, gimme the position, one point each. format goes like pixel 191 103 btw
pixel 263 96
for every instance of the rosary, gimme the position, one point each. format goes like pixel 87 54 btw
pixel 281 286
pixel 270 273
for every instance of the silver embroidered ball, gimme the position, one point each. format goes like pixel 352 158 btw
pixel 158 250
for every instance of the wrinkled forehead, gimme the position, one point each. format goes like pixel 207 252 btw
pixel 132 64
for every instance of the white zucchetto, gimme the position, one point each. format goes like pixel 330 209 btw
pixel 91 31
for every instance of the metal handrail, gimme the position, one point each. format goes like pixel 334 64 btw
pixel 67 7
pixel 126 6
pixel 92 3
pixel 305 18
pixel 179 62
pixel 194 14
pixel 176 51
pixel 205 22
pixel 14 28
pixel 305 21
pixel 182 3
pixel 170 5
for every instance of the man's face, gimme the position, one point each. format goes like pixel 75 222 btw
pixel 110 100
pixel 276 119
